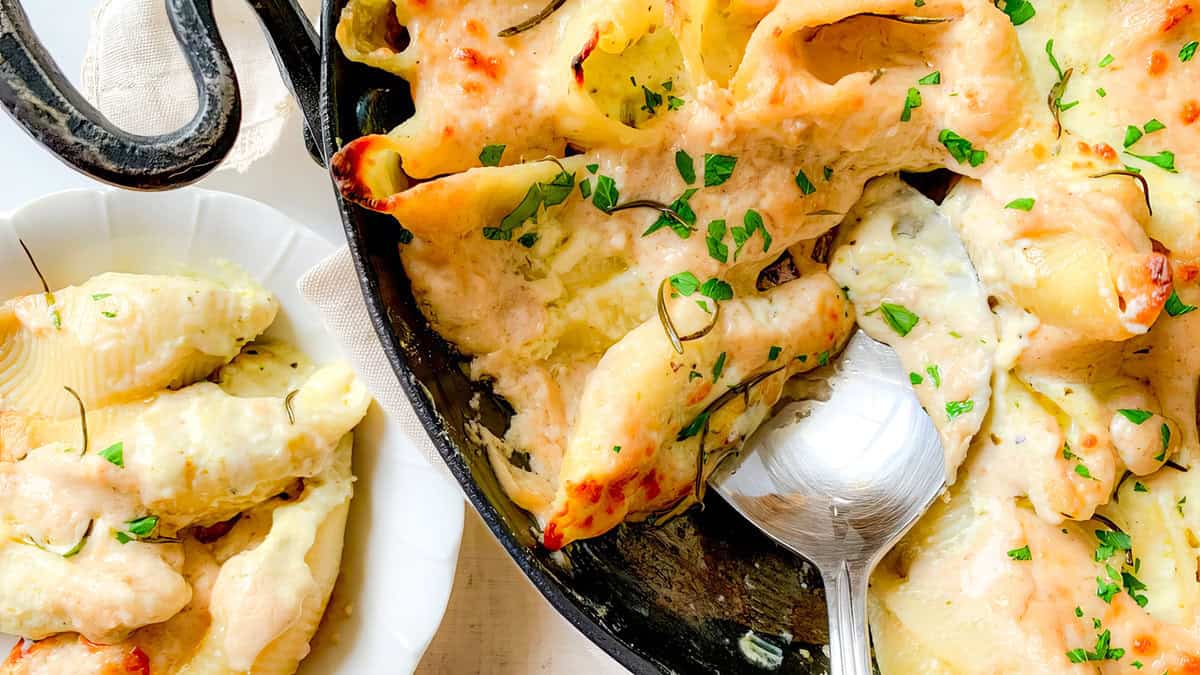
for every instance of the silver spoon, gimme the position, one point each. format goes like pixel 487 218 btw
pixel 840 480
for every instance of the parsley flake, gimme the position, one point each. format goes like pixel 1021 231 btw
pixel 716 290
pixel 805 185
pixel 934 375
pixel 585 188
pixel 686 166
pixel 1106 61
pixel 751 222
pixel 1176 307
pixel 528 239
pixel 1153 125
pixel 1164 160
pixel 715 240
pixel 718 367
pixel 115 454
pixel 1021 204
pixel 912 99
pixel 1022 553
pixel 684 283
pixel 915 378
pixel 898 317
pixel 933 78
pixel 1138 486
pixel 101 296
pixel 718 169
pixel 827 172
pixel 491 154
pixel 823 358
pixel 616 448
pixel 1132 135
pixel 956 408
pixel 773 352
pixel 1019 11
pixel 1082 470
pixel 961 149
pixel 1188 51
pixel 606 194
pixel 1135 415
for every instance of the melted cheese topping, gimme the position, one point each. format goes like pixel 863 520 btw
pixel 195 530
pixel 1033 304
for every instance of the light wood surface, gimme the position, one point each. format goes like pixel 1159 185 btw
pixel 498 624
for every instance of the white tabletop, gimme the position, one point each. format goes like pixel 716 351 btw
pixel 496 622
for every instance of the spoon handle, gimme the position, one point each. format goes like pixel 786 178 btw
pixel 846 596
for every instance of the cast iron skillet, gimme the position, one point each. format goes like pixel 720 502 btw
pixel 703 593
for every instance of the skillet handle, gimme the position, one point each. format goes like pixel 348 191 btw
pixel 38 95
pixel 298 54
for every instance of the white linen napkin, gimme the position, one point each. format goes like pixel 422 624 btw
pixel 332 287
pixel 135 73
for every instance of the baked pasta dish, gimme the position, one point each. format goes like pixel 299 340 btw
pixel 638 219
pixel 173 492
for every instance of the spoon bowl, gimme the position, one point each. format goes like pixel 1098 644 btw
pixel 839 478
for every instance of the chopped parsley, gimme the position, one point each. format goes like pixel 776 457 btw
pixel 1176 307
pixel 1082 470
pixel 528 239
pixel 715 240
pixel 956 408
pixel 585 188
pixel 823 358
pixel 1022 553
pixel 694 427
pixel 138 528
pixel 1101 92
pixel 491 154
pixel 653 99
pixel 115 453
pixel 1164 435
pixel 827 172
pixel 915 378
pixel 961 149
pixel 1053 61
pixel 108 315
pixel 1188 51
pixel 1135 415
pixel 805 185
pixel 616 448
pixel 1132 587
pixel 752 222
pixel 1021 204
pixel 404 236
pixel 1179 505
pixel 933 78
pixel 1138 486
pixel 685 283
pixel 934 375
pixel 606 194
pixel 1108 588
pixel 773 352
pixel 1132 135
pixel 693 375
pixel 539 194
pixel 682 208
pixel 718 367
pixel 898 317
pixel 1066 452
pixel 718 169
pixel 1164 160
pixel 686 166
pixel 1019 11
pixel 1106 61
pixel 1153 125
pixel 912 99
pixel 674 103
pixel 1111 543
pixel 101 296
pixel 716 290
pixel 592 168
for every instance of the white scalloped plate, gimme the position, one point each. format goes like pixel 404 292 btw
pixel 406 520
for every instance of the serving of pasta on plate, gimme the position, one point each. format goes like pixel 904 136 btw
pixel 638 220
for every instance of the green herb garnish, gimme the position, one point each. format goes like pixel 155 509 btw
pixel 1022 553
pixel 915 378
pixel 751 222
pixel 956 408
pixel 1021 204
pixel 933 78
pixel 114 453
pixel 1019 11
pixel 606 194
pixel 1135 415
pixel 718 168
pixel 912 99
pixel 773 352
pixel 805 185
pixel 715 240
pixel 491 154
pixel 718 367
pixel 1106 61
pixel 1176 307
pixel 1164 160
pixel 934 375
pixel 686 166
pixel 961 149
pixel 898 317
pixel 1188 51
